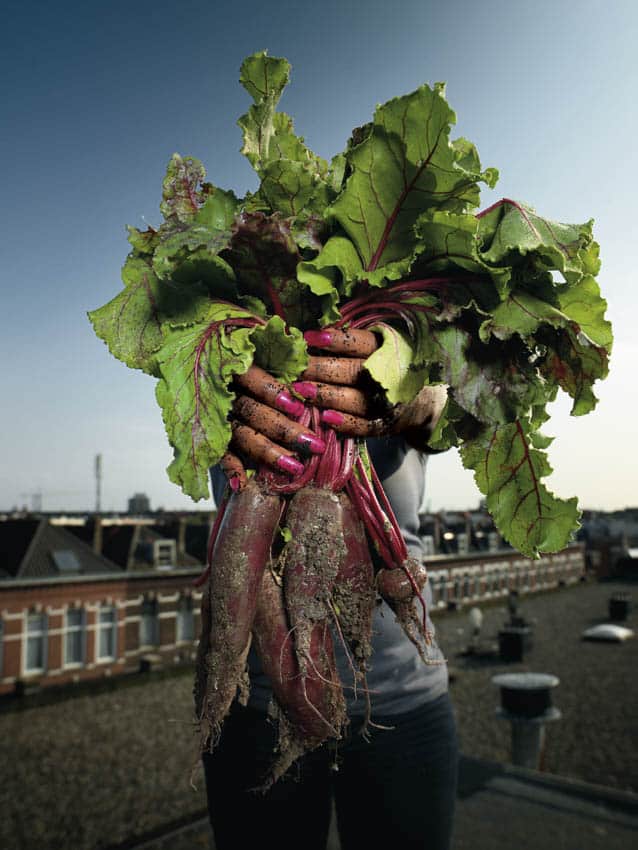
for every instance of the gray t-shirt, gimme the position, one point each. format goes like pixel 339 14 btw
pixel 397 678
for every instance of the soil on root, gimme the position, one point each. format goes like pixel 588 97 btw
pixel 310 563
pixel 221 658
pixel 354 594
pixel 292 743
pixel 411 615
pixel 311 708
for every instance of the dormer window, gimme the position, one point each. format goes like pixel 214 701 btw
pixel 164 553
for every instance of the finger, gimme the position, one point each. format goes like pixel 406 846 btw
pixel 234 470
pixel 354 426
pixel 354 343
pixel 260 449
pixel 277 426
pixel 263 386
pixel 334 370
pixel 346 399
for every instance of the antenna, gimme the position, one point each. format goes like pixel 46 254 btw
pixel 98 483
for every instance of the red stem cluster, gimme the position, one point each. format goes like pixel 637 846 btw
pixel 381 305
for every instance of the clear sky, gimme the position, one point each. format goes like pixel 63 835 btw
pixel 98 95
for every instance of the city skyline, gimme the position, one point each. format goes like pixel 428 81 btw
pixel 98 101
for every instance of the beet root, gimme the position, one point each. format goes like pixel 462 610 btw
pixel 401 589
pixel 239 558
pixel 353 595
pixel 396 586
pixel 311 706
pixel 311 561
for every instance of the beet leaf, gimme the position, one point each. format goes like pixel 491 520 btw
pixel 501 305
pixel 508 469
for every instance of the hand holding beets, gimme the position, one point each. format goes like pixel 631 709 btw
pixel 268 416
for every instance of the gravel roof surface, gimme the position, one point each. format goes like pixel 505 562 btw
pixel 596 738
pixel 93 771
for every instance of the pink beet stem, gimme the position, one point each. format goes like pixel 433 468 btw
pixel 390 530
pixel 364 320
pixel 355 491
pixel 384 500
pixel 348 450
pixel 412 286
pixel 325 472
pixel 387 506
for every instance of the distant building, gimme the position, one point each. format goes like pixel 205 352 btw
pixel 92 596
pixel 609 537
pixel 139 504
pixel 69 611
pixel 459 532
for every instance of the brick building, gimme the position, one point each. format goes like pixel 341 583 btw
pixel 69 613
pixel 91 597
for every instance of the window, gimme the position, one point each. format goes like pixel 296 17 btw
pixel 106 633
pixel 66 561
pixel 185 620
pixel 463 544
pixel 443 586
pixel 74 638
pixel 457 588
pixel 164 553
pixel 35 661
pixel 466 586
pixel 427 542
pixel 149 623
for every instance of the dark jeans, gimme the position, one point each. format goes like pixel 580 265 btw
pixel 396 790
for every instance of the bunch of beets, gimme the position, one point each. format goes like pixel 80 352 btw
pixel 291 567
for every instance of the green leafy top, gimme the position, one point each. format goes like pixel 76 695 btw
pixel 501 305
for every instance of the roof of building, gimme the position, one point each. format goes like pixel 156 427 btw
pixel 130 545
pixel 117 543
pixel 32 548
pixel 142 548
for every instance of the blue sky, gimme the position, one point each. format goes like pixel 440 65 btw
pixel 97 96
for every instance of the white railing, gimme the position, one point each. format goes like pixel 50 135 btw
pixel 459 580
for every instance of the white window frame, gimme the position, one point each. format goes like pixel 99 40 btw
pixel 102 626
pixel 164 553
pixel 149 623
pixel 42 634
pixel 185 609
pixel 81 628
